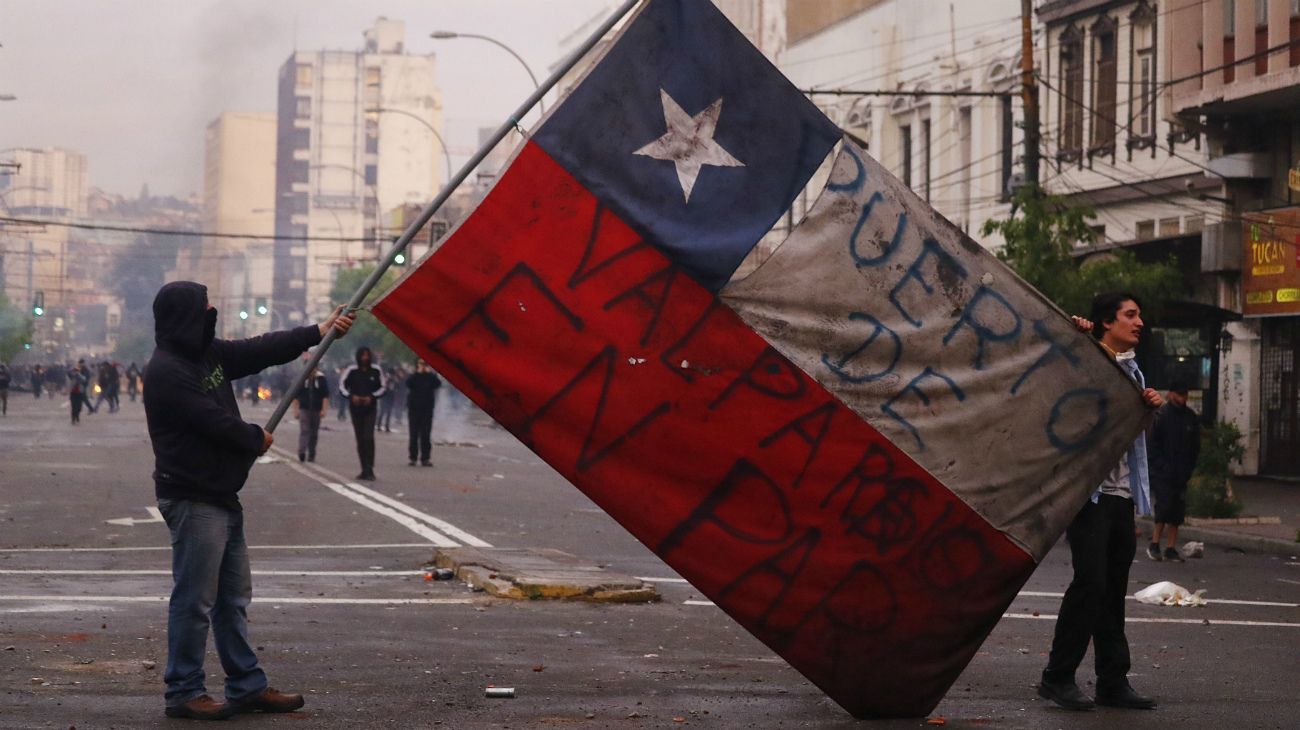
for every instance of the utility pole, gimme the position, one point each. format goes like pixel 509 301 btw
pixel 1029 91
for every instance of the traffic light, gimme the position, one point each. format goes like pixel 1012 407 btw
pixel 261 307
pixel 38 304
pixel 243 314
pixel 399 259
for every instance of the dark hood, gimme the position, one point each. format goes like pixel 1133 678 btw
pixel 367 352
pixel 182 322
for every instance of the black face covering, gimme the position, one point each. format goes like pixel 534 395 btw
pixel 209 327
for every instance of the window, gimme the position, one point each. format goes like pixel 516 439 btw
pixel 1169 226
pixel 1104 84
pixel 905 143
pixel 1261 37
pixel 302 74
pixel 301 139
pixel 1071 85
pixel 1229 40
pixel 302 108
pixel 1145 229
pixel 1007 158
pixel 1295 33
pixel 925 157
pixel 1142 95
pixel 298 171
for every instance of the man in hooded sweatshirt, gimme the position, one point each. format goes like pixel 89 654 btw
pixel 203 451
pixel 363 385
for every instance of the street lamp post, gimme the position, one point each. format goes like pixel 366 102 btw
pixel 449 34
pixel 441 143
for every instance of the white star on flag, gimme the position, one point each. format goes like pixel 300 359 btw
pixel 689 142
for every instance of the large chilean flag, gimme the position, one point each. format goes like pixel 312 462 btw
pixel 860 451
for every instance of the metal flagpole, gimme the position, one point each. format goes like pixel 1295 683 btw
pixel 411 230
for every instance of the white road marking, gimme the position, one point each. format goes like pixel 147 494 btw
pixel 154 516
pixel 1224 601
pixel 1132 620
pixel 660 580
pixel 428 533
pixel 1292 582
pixel 387 506
pixel 331 573
pixel 368 546
pixel 263 600
pixel 441 524
pixel 698 603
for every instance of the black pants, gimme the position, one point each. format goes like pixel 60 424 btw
pixel 363 424
pixel 76 401
pixel 1102 544
pixel 420 422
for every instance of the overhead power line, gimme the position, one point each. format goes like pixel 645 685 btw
pixel 172 231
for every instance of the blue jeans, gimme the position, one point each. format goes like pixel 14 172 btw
pixel 211 586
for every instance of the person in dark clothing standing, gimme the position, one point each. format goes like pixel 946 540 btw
pixel 78 390
pixel 421 395
pixel 5 379
pixel 203 451
pixel 309 407
pixel 38 377
pixel 1175 446
pixel 1102 543
pixel 132 381
pixel 363 385
pixel 385 420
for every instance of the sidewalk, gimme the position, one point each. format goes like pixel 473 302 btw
pixel 1260 497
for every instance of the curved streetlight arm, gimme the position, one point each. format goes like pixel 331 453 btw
pixel 440 34
pixel 446 155
pixel 429 210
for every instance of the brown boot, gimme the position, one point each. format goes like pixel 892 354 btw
pixel 202 707
pixel 270 700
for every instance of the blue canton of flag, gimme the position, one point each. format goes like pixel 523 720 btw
pixel 688 133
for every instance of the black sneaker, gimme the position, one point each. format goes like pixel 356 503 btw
pixel 1171 553
pixel 302 456
pixel 1153 552
pixel 1124 696
pixel 426 463
pixel 411 462
pixel 368 476
pixel 1065 694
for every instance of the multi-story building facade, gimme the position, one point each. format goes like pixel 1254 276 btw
pixel 354 139
pixel 40 184
pixel 1234 76
pixel 239 200
pixel 1112 140
pixel 958 152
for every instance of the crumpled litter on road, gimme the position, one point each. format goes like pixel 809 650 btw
pixel 1193 549
pixel 1166 593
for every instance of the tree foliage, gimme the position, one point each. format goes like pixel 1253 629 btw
pixel 1041 234
pixel 1209 493
pixel 368 331
pixel 16 329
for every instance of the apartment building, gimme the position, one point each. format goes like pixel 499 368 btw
pixel 1234 76
pixel 355 138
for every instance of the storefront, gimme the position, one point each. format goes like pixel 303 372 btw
pixel 1271 292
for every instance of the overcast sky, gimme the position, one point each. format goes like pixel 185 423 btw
pixel 133 83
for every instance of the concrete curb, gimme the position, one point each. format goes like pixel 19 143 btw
pixel 541 574
pixel 1231 539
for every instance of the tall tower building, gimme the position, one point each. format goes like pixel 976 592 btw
pixel 46 183
pixel 353 141
pixel 238 200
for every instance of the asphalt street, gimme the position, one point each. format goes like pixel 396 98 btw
pixel 343 614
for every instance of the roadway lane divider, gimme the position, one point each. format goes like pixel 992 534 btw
pixel 437 531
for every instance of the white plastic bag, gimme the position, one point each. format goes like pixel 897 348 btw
pixel 1166 593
